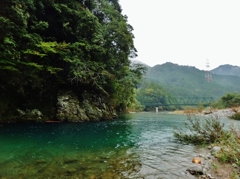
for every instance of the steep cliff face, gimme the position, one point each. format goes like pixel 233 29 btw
pixel 68 107
pixel 90 108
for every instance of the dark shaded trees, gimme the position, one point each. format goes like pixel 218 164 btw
pixel 47 46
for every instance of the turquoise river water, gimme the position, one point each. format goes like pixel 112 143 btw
pixel 139 145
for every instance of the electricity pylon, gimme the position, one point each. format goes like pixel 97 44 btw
pixel 208 74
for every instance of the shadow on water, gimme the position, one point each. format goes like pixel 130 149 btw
pixel 137 145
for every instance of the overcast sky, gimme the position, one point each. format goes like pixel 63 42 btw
pixel 186 32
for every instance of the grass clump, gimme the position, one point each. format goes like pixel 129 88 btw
pixel 190 110
pixel 230 152
pixel 201 130
pixel 236 116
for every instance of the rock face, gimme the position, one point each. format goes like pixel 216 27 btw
pixel 90 108
pixel 34 114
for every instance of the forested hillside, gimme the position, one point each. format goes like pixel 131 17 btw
pixel 51 46
pixel 227 70
pixel 190 81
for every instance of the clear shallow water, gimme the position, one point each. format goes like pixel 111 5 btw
pixel 139 145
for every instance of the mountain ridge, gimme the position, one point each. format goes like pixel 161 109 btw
pixel 227 70
pixel 190 81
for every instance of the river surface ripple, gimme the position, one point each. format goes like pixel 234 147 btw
pixel 139 145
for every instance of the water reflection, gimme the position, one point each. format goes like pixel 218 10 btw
pixel 67 150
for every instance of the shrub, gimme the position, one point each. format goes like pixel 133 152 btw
pixel 201 130
pixel 228 100
pixel 236 116
pixel 200 107
pixel 190 110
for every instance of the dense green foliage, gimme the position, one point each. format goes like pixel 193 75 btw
pixel 81 45
pixel 190 81
pixel 150 93
pixel 229 100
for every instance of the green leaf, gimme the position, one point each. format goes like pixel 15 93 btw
pixel 10 68
pixel 32 64
pixel 53 70
pixel 48 47
pixel 33 52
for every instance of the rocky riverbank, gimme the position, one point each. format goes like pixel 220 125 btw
pixel 68 107
pixel 221 113
pixel 207 166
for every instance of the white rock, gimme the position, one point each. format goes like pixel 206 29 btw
pixel 215 150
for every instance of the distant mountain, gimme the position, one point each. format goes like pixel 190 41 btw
pixel 227 70
pixel 190 81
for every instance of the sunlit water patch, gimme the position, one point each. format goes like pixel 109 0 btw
pixel 135 146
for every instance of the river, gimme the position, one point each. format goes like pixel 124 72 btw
pixel 138 145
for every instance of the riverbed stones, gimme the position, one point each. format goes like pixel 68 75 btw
pixel 196 160
pixel 203 169
pixel 219 113
pixel 215 150
pixel 197 170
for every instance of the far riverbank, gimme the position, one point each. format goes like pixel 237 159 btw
pixel 210 112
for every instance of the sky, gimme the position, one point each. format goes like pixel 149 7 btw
pixel 185 32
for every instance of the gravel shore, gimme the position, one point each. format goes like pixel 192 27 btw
pixel 222 113
pixel 219 113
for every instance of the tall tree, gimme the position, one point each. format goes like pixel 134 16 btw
pixel 79 45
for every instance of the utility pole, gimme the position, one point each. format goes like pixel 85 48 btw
pixel 208 74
